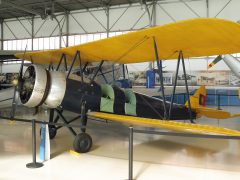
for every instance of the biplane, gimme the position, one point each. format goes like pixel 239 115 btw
pixel 60 91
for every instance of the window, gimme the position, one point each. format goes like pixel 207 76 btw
pixel 71 40
pixel 96 37
pixel 103 35
pixel 19 45
pixel 77 39
pixel 54 42
pixel 46 43
pixel 63 41
pixel 5 45
pixel 35 44
pixel 14 45
pixel 83 39
pixel 57 42
pixel 40 44
pixel 89 37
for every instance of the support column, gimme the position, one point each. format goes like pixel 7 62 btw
pixel 32 31
pixel 108 23
pixel 207 10
pixel 67 28
pixel 152 21
pixel 1 21
pixel 154 14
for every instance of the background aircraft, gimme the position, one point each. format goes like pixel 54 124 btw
pixel 232 62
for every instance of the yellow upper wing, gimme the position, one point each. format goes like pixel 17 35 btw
pixel 195 37
pixel 166 124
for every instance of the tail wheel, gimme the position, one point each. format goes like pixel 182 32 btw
pixel 82 143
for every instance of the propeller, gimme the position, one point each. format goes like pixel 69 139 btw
pixel 215 61
pixel 17 88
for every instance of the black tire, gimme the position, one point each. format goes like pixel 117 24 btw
pixel 52 131
pixel 82 143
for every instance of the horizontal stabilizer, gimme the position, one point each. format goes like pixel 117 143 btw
pixel 167 124
pixel 212 113
pixel 235 115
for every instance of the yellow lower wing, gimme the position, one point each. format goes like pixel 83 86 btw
pixel 167 124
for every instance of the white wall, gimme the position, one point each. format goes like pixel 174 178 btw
pixel 10 68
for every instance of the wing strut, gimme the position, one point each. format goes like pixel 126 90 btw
pixel 160 73
pixel 186 84
pixel 77 55
pixel 99 68
pixel 181 58
pixel 63 57
pixel 174 87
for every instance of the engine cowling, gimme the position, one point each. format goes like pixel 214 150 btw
pixel 40 86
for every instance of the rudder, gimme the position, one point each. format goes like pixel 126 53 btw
pixel 198 99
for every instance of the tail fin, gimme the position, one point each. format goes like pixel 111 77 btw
pixel 198 99
pixel 198 103
pixel 215 61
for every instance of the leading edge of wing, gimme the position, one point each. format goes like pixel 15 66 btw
pixel 167 124
pixel 194 37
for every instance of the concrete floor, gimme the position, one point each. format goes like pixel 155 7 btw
pixel 155 157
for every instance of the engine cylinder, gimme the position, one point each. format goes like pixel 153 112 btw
pixel 41 86
pixel 34 86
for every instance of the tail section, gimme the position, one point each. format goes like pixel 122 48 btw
pixel 198 103
pixel 198 99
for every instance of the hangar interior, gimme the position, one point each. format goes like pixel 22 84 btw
pixel 33 25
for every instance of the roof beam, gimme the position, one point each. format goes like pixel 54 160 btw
pixel 30 11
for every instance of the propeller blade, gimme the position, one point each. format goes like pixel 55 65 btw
pixel 17 87
pixel 21 69
pixel 215 61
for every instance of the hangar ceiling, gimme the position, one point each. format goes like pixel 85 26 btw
pixel 20 8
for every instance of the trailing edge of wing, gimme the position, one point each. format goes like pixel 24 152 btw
pixel 195 38
pixel 167 124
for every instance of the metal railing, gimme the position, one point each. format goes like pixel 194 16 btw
pixel 165 133
pixel 34 163
pixel 216 99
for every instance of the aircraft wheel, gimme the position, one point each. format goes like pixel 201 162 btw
pixel 52 131
pixel 82 143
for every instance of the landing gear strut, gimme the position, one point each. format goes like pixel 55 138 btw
pixel 83 141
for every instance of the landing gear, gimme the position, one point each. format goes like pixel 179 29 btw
pixel 83 118
pixel 82 143
pixel 52 131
